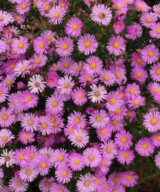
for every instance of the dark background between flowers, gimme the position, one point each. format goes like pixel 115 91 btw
pixel 149 175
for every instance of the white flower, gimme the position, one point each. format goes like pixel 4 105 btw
pixel 36 84
pixel 7 158
pixel 97 94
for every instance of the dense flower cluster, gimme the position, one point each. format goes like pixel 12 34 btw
pixel 73 81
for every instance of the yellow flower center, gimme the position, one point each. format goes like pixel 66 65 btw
pixel 77 120
pixel 158 72
pixel 28 172
pixel 154 121
pixel 79 138
pixel 43 165
pixel 158 30
pixel 87 44
pixel 148 19
pixel 93 65
pixel 54 104
pixel 56 15
pixel 145 146
pixel 5 117
pixel 20 45
pixel 116 45
pixel 75 27
pixel 23 6
pixel 150 54
pixel 101 15
pixel 65 46
pixel 76 162
pixel 112 101
pixel 64 173
pixel 124 140
pixel 91 157
pixel 99 118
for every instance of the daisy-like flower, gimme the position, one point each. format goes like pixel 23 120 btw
pixel 44 165
pixel 92 157
pixel 152 121
pixel 36 84
pixel 116 45
pixel 76 162
pixel 119 26
pixel 23 6
pixel 86 183
pixel 104 133
pixel 74 27
pixel 63 174
pixel 141 6
pixel 59 187
pixel 77 120
pixel 16 184
pixel 64 46
pixel 157 160
pixel 56 14
pixel 98 93
pixel 29 122
pixel 129 179
pixel 139 74
pixel 144 147
pixel 125 156
pixel 5 18
pixel 123 140
pixel 6 158
pixel 99 119
pixel 93 65
pixel 148 19
pixel 113 101
pixel 155 31
pixel 40 45
pixel 45 125
pixel 65 85
pixel 22 68
pixel 156 139
pixel 46 183
pixel 3 92
pixel 137 60
pixel 87 44
pixel 136 102
pixel 79 138
pixel 156 9
pixel 107 77
pixel 26 137
pixel 5 137
pixel 134 31
pixel 132 90
pixel 28 173
pixel 101 14
pixel 7 118
pixel 3 46
pixel 54 104
pixel 79 96
pixel 60 157
pixel 150 54
pixel 109 149
pixel 20 45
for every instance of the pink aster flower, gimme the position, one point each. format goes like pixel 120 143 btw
pixel 76 161
pixel 157 160
pixel 92 157
pixel 139 74
pixel 64 46
pixel 6 158
pixel 93 65
pixel 22 68
pixel 116 45
pixel 26 137
pixel 40 45
pixel 20 45
pixel 6 18
pixel 132 90
pixel 144 147
pixel 148 19
pixel 99 119
pixel 134 31
pixel 59 187
pixel 154 89
pixel 86 183
pixel 104 134
pixel 56 14
pixel 60 157
pixel 17 184
pixel 113 101
pixel 107 77
pixel 156 9
pixel 123 140
pixel 79 96
pixel 63 174
pixel 150 54
pixel 7 118
pixel 28 173
pixel 87 44
pixel 136 102
pixel 29 122
pixel 109 149
pixel 77 120
pixel 45 125
pixel 6 136
pixel 156 139
pixel 54 104
pixel 46 183
pixel 44 165
pixel 137 60
pixel 23 6
pixel 125 156
pixel 3 93
pixel 129 179
pixel 66 65
pixel 74 27
pixel 141 6
pixel 101 14
pixel 79 138
pixel 152 121
pixel 155 31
